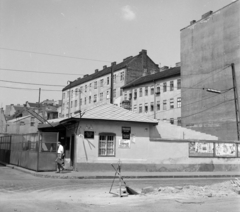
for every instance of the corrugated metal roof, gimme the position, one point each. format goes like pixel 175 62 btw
pixel 110 112
pixel 153 77
pixel 101 73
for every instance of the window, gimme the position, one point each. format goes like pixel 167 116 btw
pixel 152 90
pixel 135 108
pixel 158 105
pixel 108 96
pixel 85 88
pixel 125 95
pixel 32 124
pixel 135 93
pixel 76 92
pixel 140 108
pixel 121 91
pixel 146 91
pixel 80 89
pixel 164 87
pixel 179 121
pixel 71 104
pixel 158 91
pixel 114 93
pixel 68 93
pixel 32 119
pixel 63 106
pixel 80 102
pixel 130 96
pixel 95 85
pixel 164 104
pixel 171 86
pixel 179 102
pixel 85 100
pixel 67 104
pixel 89 99
pixel 122 76
pixel 106 145
pixel 152 106
pixel 63 95
pixel 95 98
pixel 107 80
pixel 75 103
pixel 90 86
pixel 101 83
pixel 140 92
pixel 171 103
pixel 179 84
pixel 146 107
pixel 71 93
pixel 171 121
pixel 101 96
pixel 114 78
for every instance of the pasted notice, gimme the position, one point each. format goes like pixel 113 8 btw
pixel 226 150
pixel 201 149
pixel 124 144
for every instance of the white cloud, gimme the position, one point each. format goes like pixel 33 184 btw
pixel 128 13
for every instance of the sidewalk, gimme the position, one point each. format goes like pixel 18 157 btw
pixel 133 175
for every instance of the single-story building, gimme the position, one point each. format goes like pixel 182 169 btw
pixel 104 134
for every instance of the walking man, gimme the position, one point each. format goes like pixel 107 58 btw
pixel 60 154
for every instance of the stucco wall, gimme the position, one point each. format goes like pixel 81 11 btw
pixel 208 47
pixel 144 154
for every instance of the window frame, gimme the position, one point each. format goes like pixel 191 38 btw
pixel 114 144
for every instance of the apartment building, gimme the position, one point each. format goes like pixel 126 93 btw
pixel 91 89
pixel 157 95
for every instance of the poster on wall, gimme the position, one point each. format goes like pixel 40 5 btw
pixel 200 149
pixel 226 150
pixel 124 144
pixel 126 132
pixel 89 134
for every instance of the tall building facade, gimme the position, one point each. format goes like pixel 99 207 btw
pixel 208 48
pixel 91 89
pixel 156 95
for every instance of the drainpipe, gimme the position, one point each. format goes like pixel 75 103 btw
pixel 111 90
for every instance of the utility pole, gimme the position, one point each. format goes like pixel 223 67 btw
pixel 236 102
pixel 235 91
pixel 39 97
pixel 111 90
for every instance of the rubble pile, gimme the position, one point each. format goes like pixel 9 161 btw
pixel 224 189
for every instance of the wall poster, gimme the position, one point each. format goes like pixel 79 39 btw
pixel 201 149
pixel 226 150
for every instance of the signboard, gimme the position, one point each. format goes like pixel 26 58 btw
pixel 201 149
pixel 126 131
pixel 226 150
pixel 89 134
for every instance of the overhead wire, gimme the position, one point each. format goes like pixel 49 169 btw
pixel 26 83
pixel 55 55
pixel 28 89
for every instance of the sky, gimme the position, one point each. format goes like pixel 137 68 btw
pixel 46 43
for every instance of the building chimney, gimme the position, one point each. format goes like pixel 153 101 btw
pixel 96 70
pixel 164 68
pixel 85 75
pixel 178 64
pixel 192 22
pixel 205 15
pixel 104 67
pixel 144 58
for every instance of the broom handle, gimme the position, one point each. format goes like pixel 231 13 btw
pixel 119 174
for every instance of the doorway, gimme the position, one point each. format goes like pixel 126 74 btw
pixel 72 150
